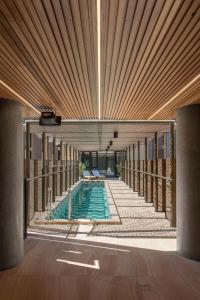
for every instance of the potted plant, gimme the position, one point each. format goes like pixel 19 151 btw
pixel 82 168
pixel 119 170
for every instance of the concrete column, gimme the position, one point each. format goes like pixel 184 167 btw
pixel 173 177
pixel 11 179
pixel 188 181
pixel 27 172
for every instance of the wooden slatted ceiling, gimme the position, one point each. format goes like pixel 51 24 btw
pixel 190 96
pixel 27 111
pixel 149 52
pixel 48 54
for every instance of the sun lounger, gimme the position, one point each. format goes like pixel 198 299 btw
pixel 87 175
pixel 96 173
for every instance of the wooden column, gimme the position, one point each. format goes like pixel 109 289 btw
pixel 133 168
pixel 67 168
pixel 44 181
pixel 78 164
pixel 129 165
pixel 126 160
pixel 122 165
pixel 61 168
pixel 156 171
pixel 74 165
pixel 152 180
pixel 163 208
pixel 173 176
pixel 138 169
pixel 146 170
pixel 54 169
pixel 115 163
pixel 48 180
pixel 70 166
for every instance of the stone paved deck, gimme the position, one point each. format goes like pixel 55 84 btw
pixel 138 218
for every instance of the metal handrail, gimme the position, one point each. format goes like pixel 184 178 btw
pixel 147 173
pixel 47 174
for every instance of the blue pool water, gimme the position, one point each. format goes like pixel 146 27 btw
pixel 88 201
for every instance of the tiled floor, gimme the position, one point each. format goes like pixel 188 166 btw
pixel 60 268
pixel 138 218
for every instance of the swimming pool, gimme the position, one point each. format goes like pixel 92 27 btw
pixel 88 201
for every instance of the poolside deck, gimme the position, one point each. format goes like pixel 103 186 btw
pixel 138 218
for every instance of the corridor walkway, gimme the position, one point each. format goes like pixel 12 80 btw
pixel 60 268
pixel 132 260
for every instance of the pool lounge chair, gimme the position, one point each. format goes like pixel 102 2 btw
pixel 87 175
pixel 97 174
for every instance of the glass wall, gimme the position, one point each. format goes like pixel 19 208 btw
pixel 104 161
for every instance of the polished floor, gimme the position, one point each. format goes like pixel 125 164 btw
pixel 134 260
pixel 60 268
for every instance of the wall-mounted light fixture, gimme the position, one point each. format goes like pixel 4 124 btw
pixel 115 134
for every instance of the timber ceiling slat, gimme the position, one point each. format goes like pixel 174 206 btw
pixel 67 86
pixel 162 59
pixel 164 62
pixel 42 42
pixel 145 50
pixel 191 95
pixel 173 87
pixel 20 40
pixel 75 50
pixel 136 49
pixel 149 53
pixel 173 61
pixel 5 94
